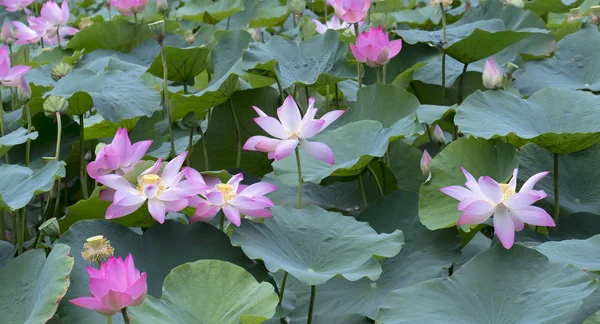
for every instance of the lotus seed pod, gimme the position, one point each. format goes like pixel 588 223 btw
pixel 158 30
pixel 378 19
pixel 55 104
pixel 297 6
pixel 50 228
pixel 85 22
pixel 97 249
pixel 190 120
pixel 60 70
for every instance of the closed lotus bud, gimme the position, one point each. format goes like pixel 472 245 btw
pixel 60 70
pixel 426 163
pixel 50 228
pixel 438 135
pixel 162 6
pixel 378 19
pixel 55 104
pixel 7 36
pixel 190 120
pixel 98 148
pixel 23 90
pixel 85 22
pixel 189 36
pixel 158 30
pixel 256 34
pixel 298 6
pixel 492 75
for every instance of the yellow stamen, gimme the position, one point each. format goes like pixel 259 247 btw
pixel 97 249
pixel 507 191
pixel 226 190
pixel 150 179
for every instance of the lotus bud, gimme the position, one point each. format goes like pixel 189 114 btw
pixel 50 228
pixel 55 105
pixel 85 22
pixel 97 249
pixel 511 68
pixel 190 120
pixel 23 90
pixel 297 7
pixel 99 146
pixel 162 6
pixel 158 30
pixel 60 70
pixel 88 155
pixel 256 34
pixel 426 163
pixel 378 19
pixel 492 75
pixel 438 135
pixel 189 36
pixel 7 36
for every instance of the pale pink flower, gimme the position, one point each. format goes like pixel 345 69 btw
pixel 492 74
pixel 438 135
pixel 334 24
pixel 118 157
pixel 55 15
pixel 25 34
pixel 8 34
pixel 375 48
pixel 292 130
pixel 426 163
pixel 129 7
pixel 511 209
pixel 116 285
pixel 231 197
pixel 10 76
pixel 17 5
pixel 351 11
pixel 165 192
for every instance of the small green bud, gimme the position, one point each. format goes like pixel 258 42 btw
pixel 511 67
pixel 298 6
pixel 55 104
pixel 162 6
pixel 158 30
pixel 378 19
pixel 190 120
pixel 50 228
pixel 60 70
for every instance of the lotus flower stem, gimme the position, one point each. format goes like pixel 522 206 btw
pixel 280 92
pixel 190 145
pixel 383 73
pixel 125 317
pixel 108 319
pixel 325 9
pixel 166 96
pixel 327 97
pixel 137 30
pixel 204 149
pixel 238 159
pixel 2 125
pixel 358 63
pixel 58 134
pixel 28 145
pixel 311 306
pixel 228 19
pixel 58 37
pixel 185 88
pixel 20 226
pixel 13 234
pixel 376 180
pixel 282 289
pixel 299 178
pixel 377 75
pixel 337 99
pixel 556 192
pixel 82 173
pixel 361 186
pixel 444 40
pixel 460 97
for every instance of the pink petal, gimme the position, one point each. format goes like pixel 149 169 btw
pixel 115 211
pixel 64 8
pixel 528 185
pixel 258 189
pixel 311 128
pixel 216 198
pixel 504 228
pixel 471 183
pixel 353 16
pixel 116 300
pixel 268 145
pixel 319 151
pixel 259 112
pixel 93 303
pixel 169 174
pixel 512 184
pixel 394 48
pixel 157 210
pixel 253 141
pixel 285 148
pixel 357 54
pixel 233 215
pixel 272 126
pixel 121 145
pixel 204 213
pixel 118 183
pixel 107 194
pixel 95 170
pixel 137 152
pixel 125 199
pixel 242 202
pixel 521 200
pixel 235 181
pixel 321 28
pixel 519 224
pixel 175 205
pixel 173 194
pixel 473 219
pixel 289 115
pixel 491 189
pixel 259 213
pixel 457 192
pixel 534 216
pixel 100 286
pixel 151 170
pixel 479 207
pixel 138 289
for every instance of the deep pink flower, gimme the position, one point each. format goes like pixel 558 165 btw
pixel 334 24
pixel 116 285
pixel 10 76
pixel 129 7
pixel 234 199
pixel 17 5
pixel 511 209
pixel 165 192
pixel 55 15
pixel 8 34
pixel 119 156
pixel 492 74
pixel 374 47
pixel 351 11
pixel 292 130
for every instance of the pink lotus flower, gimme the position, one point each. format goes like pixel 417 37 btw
pixel 164 193
pixel 39 28
pixel 10 76
pixel 511 209
pixel 119 156
pixel 375 48
pixel 8 34
pixel 25 34
pixel 116 285
pixel 231 197
pixel 292 130
pixel 426 163
pixel 492 74
pixel 55 15
pixel 334 24
pixel 438 135
pixel 17 5
pixel 129 7
pixel 351 11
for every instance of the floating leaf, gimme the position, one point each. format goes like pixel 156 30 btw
pixel 17 137
pixel 19 184
pixel 580 253
pixel 545 6
pixel 183 64
pixel 313 245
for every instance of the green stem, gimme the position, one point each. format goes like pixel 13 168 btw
pixel 361 185
pixel 337 99
pixel 383 74
pixel 82 173
pixel 282 289
pixel 28 146
pixel 58 37
pixel 228 19
pixel 166 97
pixel 460 98
pixel 280 92
pixel 325 9
pixel 378 77
pixel 109 11
pixel 387 157
pixel 311 306
pixel 238 159
pixel 58 135
pixel 556 192
pixel 137 30
pixel 14 230
pixel 222 222
pixel 125 317
pixel 2 124
pixel 327 97
pixel 204 149
pixel 358 63
pixel 376 179
pixel 20 226
pixel 109 319
pixel 12 99
pixel 299 165
pixel 185 88
pixel 57 200
pixel 190 145
pixel 444 40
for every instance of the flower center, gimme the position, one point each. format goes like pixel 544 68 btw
pixel 226 190
pixel 150 179
pixel 507 191
pixel 95 242
pixel 150 186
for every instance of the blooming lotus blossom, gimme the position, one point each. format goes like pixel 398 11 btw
pixel 17 5
pixel 231 197
pixel 165 192
pixel 351 11
pixel 129 7
pixel 55 15
pixel 118 157
pixel 10 76
pixel 292 130
pixel 492 74
pixel 8 34
pixel 374 47
pixel 38 29
pixel 116 285
pixel 511 209
pixel 334 24
pixel 25 34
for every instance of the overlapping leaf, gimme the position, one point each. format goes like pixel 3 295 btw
pixel 17 137
pixel 19 184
